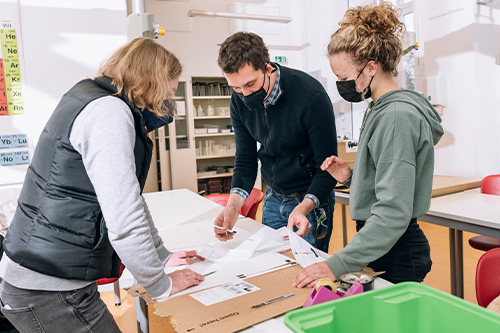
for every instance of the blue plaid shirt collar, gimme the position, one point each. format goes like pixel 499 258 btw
pixel 276 92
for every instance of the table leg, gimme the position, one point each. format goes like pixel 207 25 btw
pixel 142 315
pixel 459 263
pixel 344 225
pixel 453 269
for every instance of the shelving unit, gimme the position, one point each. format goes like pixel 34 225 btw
pixel 200 162
pixel 175 145
pixel 214 151
pixel 213 156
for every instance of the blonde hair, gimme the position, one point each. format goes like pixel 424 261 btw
pixel 370 33
pixel 141 70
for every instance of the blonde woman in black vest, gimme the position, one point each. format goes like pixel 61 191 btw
pixel 81 212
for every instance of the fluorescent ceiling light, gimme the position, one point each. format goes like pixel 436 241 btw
pixel 239 16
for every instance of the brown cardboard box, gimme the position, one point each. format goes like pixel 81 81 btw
pixel 344 155
pixel 189 315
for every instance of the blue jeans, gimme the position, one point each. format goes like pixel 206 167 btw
pixel 277 208
pixel 80 310
pixel 408 260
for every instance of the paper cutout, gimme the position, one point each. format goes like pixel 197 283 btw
pixel 304 252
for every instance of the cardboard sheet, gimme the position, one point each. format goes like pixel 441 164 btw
pixel 235 314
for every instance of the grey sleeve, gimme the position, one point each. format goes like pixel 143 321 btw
pixel 104 135
pixel 162 251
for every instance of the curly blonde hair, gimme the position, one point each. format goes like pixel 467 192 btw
pixel 370 33
pixel 141 70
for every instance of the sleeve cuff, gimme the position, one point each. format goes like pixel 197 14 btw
pixel 241 192
pixel 163 254
pixel 348 182
pixel 166 294
pixel 313 198
pixel 336 266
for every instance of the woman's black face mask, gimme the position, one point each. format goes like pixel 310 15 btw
pixel 348 91
pixel 153 122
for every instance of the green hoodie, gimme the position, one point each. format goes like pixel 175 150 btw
pixel 392 176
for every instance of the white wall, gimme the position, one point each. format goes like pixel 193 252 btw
pixel 487 88
pixel 64 42
pixel 303 41
pixel 459 40
pixel 195 40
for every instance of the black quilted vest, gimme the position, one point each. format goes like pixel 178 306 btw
pixel 58 228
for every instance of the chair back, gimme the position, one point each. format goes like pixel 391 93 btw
pixel 488 277
pixel 249 208
pixel 102 281
pixel 221 199
pixel 491 185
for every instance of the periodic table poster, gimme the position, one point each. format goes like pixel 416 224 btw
pixel 14 144
pixel 11 100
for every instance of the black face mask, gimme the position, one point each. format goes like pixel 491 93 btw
pixel 255 99
pixel 348 91
pixel 153 122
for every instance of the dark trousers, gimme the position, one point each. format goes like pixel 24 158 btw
pixel 408 260
pixel 80 310
pixel 5 325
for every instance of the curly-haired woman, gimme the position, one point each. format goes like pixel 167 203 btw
pixel 391 182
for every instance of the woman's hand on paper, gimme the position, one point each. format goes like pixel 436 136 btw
pixel 183 279
pixel 337 168
pixel 308 276
pixel 183 258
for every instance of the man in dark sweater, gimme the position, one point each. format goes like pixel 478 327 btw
pixel 291 116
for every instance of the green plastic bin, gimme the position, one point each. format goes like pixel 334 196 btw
pixel 405 307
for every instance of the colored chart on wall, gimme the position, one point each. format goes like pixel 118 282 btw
pixel 11 100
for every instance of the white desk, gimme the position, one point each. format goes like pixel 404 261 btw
pixel 171 208
pixel 464 211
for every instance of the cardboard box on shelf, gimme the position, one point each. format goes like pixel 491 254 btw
pixel 347 151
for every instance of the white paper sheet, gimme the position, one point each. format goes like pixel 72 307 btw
pixel 224 292
pixel 304 252
pixel 250 253
pixel 235 271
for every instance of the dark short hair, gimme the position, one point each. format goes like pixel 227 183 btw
pixel 240 49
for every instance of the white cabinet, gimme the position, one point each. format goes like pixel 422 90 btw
pixel 214 138
pixel 196 151
pixel 174 145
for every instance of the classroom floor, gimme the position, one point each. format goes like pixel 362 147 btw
pixel 439 277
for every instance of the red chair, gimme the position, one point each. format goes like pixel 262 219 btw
pixel 116 285
pixel 249 208
pixel 488 277
pixel 489 185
